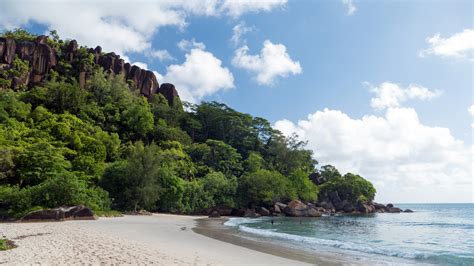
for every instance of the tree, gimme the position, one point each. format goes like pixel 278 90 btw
pixel 38 163
pixel 304 188
pixel 264 187
pixel 134 184
pixel 221 190
pixel 350 187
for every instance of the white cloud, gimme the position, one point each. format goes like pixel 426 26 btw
pixel 201 74
pixel 186 45
pixel 162 55
pixel 351 8
pixel 272 62
pixel 120 26
pixel 140 65
pixel 236 8
pixel 406 160
pixel 389 95
pixel 238 31
pixel 471 109
pixel 459 45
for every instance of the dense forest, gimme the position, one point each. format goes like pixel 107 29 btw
pixel 108 147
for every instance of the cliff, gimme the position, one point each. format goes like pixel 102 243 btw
pixel 43 57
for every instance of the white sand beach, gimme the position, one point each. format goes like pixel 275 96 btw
pixel 159 239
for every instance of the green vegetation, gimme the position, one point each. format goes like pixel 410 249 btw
pixel 109 148
pixel 6 244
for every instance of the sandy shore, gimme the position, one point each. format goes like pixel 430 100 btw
pixel 158 239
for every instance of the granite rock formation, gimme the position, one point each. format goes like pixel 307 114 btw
pixel 42 58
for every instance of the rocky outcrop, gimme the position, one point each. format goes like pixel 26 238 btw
pixel 60 214
pixel 7 50
pixel 296 208
pixel 251 213
pixel 43 58
pixel 169 91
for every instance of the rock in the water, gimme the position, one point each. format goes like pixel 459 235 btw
pixel 276 209
pixel 250 213
pixel 214 214
pixel 394 210
pixel 390 205
pixel 263 211
pixel 296 208
pixel 313 213
pixel 407 210
pixel 365 207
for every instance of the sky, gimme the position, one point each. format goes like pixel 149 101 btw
pixel 379 88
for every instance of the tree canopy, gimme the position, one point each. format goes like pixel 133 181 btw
pixel 106 146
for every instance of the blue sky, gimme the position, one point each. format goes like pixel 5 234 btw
pixel 334 67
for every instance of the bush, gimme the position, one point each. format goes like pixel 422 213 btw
pixel 220 189
pixel 303 186
pixel 350 187
pixel 264 187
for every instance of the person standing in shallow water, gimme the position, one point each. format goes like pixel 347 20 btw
pixel 272 221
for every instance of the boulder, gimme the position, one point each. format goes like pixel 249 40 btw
pixel 296 208
pixel 263 211
pixel 223 210
pixel 390 205
pixel 407 210
pixel 238 212
pixel 347 206
pixel 313 213
pixel 393 210
pixel 365 207
pixel 250 213
pixel 276 209
pixel 44 215
pixel 214 214
pixel 169 91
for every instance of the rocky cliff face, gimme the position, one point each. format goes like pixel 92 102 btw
pixel 43 58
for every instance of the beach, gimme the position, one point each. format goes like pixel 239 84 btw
pixel 157 239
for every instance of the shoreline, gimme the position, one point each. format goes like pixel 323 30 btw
pixel 158 239
pixel 215 228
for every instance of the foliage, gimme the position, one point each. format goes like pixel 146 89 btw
pixel 133 184
pixel 264 187
pixel 350 187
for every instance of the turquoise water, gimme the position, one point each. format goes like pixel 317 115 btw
pixel 433 234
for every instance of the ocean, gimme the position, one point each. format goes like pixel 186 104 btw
pixel 433 234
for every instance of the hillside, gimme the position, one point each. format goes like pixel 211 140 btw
pixel 80 126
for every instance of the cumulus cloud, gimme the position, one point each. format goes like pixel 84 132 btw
pixel 471 109
pixel 407 160
pixel 162 55
pixel 201 74
pixel 238 31
pixel 272 62
pixel 389 95
pixel 120 26
pixel 351 8
pixel 459 45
